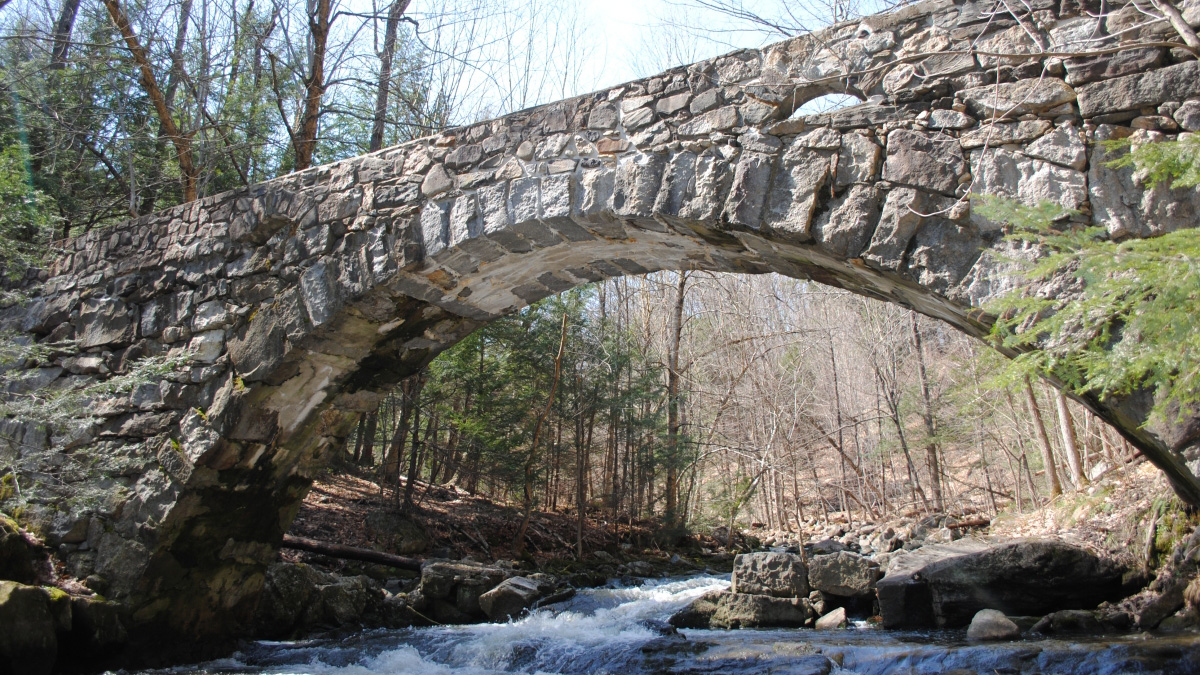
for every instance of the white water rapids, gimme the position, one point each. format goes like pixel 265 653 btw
pixel 619 630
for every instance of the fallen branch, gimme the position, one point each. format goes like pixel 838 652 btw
pixel 350 553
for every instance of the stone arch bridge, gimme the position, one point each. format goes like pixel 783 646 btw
pixel 305 296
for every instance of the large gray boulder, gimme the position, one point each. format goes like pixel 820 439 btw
pixel 843 574
pixel 510 598
pixel 460 585
pixel 723 609
pixel 298 597
pixel 780 575
pixel 944 585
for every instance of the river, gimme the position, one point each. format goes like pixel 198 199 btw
pixel 620 630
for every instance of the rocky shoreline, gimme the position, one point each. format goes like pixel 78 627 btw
pixel 904 575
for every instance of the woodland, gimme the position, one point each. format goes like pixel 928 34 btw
pixel 688 400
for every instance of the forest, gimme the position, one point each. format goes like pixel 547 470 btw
pixel 684 399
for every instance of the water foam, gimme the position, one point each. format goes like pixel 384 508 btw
pixel 599 631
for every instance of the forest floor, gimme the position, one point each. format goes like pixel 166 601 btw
pixel 447 522
pixel 1129 514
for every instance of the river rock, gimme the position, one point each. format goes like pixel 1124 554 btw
pixel 834 619
pixel 781 575
pixel 944 585
pixel 843 574
pixel 991 624
pixel 441 580
pixel 97 628
pixel 1069 621
pixel 18 555
pixel 28 630
pixel 297 597
pixel 510 598
pixel 723 609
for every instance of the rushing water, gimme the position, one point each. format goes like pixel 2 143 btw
pixel 620 630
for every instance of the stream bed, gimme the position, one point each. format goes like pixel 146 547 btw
pixel 621 630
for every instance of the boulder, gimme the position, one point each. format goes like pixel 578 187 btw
pixel 297 597
pixel 780 575
pixel 461 585
pixel 441 579
pixel 640 568
pixel 1069 621
pixel 990 624
pixel 288 598
pixel 19 557
pixel 97 626
pixel 834 619
pixel 510 598
pixel 944 585
pixel 395 533
pixel 843 574
pixel 723 609
pixel 28 630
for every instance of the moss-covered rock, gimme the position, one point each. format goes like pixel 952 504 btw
pixel 19 556
pixel 28 630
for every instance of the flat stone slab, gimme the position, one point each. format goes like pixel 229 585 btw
pixel 945 585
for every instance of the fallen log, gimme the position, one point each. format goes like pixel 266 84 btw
pixel 976 522
pixel 350 553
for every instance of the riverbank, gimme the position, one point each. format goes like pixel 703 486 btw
pixel 464 549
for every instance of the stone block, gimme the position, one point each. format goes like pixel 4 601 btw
pixel 1143 89
pixel 780 575
pixel 929 161
pixel 106 321
pixel 1013 99
pixel 845 228
pixel 747 195
pixel 843 574
pixel 435 227
pixel 795 191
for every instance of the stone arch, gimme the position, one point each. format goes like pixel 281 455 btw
pixel 303 297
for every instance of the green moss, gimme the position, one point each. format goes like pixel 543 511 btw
pixel 1174 524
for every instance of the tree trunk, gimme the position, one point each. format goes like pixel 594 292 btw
pixel 396 11
pixel 62 34
pixel 367 458
pixel 1070 444
pixel 411 480
pixel 358 443
pixel 1043 440
pixel 676 331
pixel 350 552
pixel 931 448
pixel 537 431
pixel 305 141
pixel 182 143
pixel 391 460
